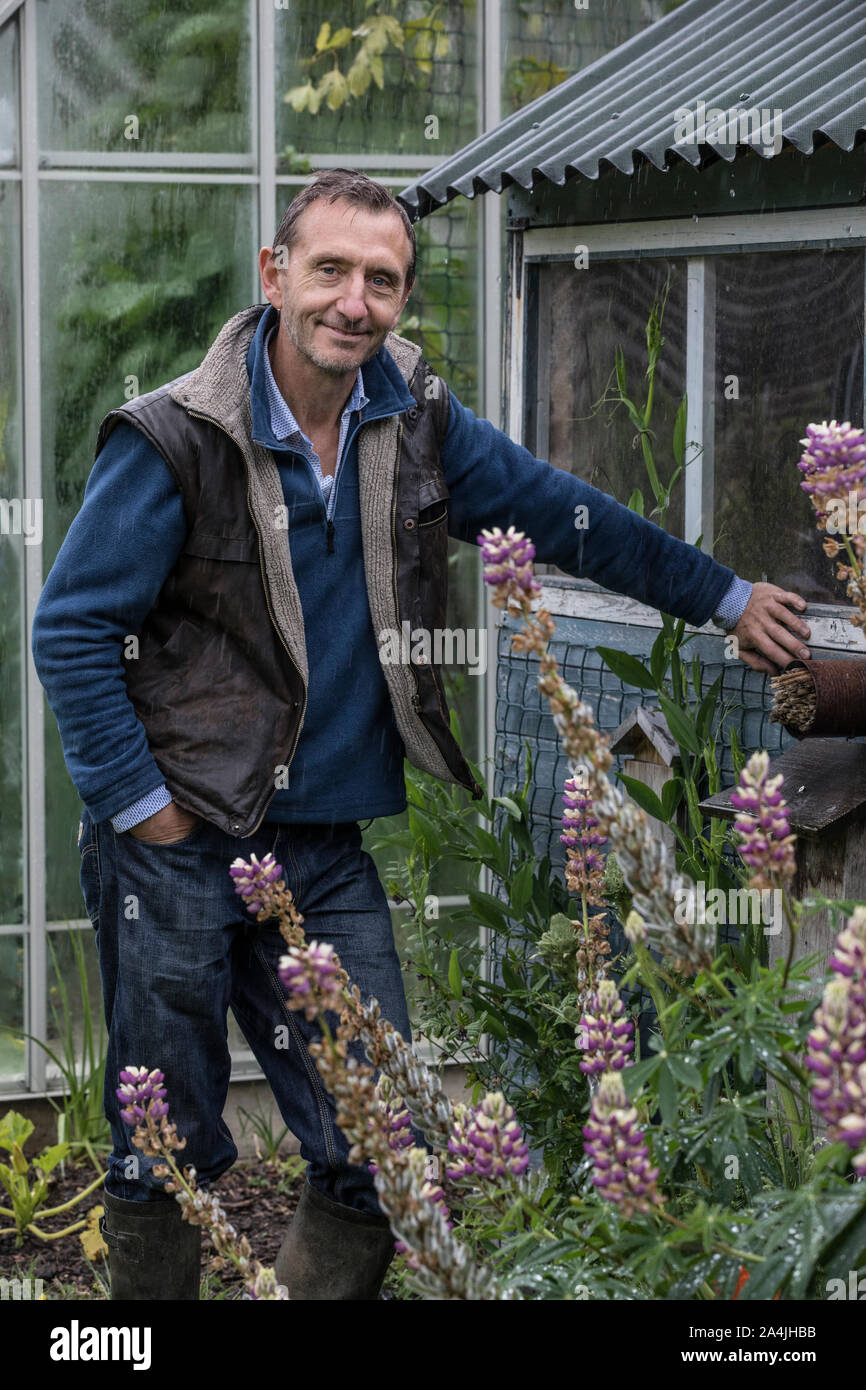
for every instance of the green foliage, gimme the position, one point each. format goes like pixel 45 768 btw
pixel 80 1060
pixel 512 1023
pixel 418 41
pixel 27 1190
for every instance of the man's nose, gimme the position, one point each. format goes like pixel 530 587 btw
pixel 352 304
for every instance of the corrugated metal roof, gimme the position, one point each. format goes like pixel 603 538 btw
pixel 803 58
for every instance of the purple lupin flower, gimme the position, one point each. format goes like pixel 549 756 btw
pixel 312 978
pixel 143 1095
pixel 836 1045
pixel 507 559
pixel 255 881
pixel 612 1138
pixel 584 869
pixel 605 1037
pixel 487 1142
pixel 398 1123
pixel 834 464
pixel 767 844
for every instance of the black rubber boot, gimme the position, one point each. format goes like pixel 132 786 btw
pixel 153 1254
pixel 333 1252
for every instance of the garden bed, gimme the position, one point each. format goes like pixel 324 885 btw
pixel 258 1198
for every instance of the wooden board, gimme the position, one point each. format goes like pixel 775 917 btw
pixel 824 786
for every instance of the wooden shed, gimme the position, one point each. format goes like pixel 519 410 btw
pixel 713 168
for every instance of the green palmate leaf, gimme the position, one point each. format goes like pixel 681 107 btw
pixel 644 796
pixel 685 1072
pixel 680 725
pixel 635 1076
pixel 455 977
pixel 626 667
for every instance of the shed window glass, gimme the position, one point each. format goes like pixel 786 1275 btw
pixel 583 316
pixel 789 350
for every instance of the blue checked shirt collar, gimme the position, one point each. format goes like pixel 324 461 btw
pixel 283 422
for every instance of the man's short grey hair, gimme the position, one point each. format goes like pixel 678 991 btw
pixel 354 188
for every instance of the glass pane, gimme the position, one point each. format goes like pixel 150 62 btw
pixel 154 77
pixel 76 1027
pixel 16 514
pixel 584 315
pixel 407 86
pixel 545 41
pixel 12 1049
pixel 9 154
pixel 135 284
pixel 789 352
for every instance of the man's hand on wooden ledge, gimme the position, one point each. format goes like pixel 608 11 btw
pixel 768 631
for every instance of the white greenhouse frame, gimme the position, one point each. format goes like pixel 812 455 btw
pixel 37 167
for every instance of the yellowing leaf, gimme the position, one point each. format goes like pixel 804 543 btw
pixel 341 38
pixel 299 97
pixel 334 88
pixel 358 78
pixel 377 70
pixel 323 36
pixel 393 29
pixel 442 45
pixel 91 1237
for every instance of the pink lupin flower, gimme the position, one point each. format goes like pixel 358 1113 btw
pixel 255 881
pixel 143 1095
pixel 836 1045
pixel 507 559
pixel 311 976
pixel 605 1037
pixel 612 1138
pixel 487 1142
pixel 767 844
pixel 584 869
pixel 834 465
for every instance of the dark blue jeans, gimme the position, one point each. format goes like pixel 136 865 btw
pixel 177 949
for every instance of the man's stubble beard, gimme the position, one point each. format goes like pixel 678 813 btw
pixel 306 349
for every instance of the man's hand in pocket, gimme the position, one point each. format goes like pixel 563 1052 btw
pixel 167 826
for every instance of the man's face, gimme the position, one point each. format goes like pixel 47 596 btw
pixel 344 286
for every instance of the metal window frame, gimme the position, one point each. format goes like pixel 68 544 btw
pixel 259 167
pixel 694 239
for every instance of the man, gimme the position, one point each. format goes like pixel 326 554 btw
pixel 208 639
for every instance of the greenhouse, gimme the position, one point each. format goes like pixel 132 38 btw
pixel 433 694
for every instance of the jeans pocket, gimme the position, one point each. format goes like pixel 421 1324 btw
pixel 90 876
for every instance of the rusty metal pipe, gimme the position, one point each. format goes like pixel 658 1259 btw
pixel 833 701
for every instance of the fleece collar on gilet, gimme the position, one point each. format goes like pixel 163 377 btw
pixel 219 389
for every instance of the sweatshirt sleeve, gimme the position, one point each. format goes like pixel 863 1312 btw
pixel 494 482
pixel 116 556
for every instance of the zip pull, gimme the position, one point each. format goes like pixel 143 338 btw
pixel 330 536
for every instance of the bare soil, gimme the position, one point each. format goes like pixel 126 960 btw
pixel 258 1198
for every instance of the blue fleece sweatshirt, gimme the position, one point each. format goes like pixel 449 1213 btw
pixel 348 763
